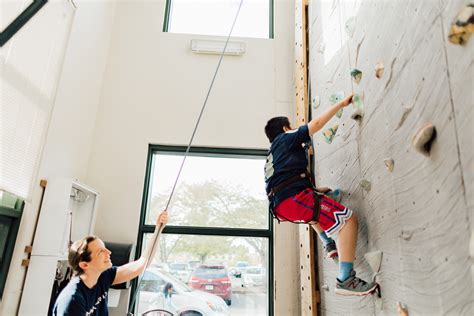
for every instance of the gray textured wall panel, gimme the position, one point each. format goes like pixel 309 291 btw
pixel 460 65
pixel 419 215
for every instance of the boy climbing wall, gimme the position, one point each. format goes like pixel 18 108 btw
pixel 293 198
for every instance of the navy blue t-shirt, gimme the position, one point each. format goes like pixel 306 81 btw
pixel 76 299
pixel 287 158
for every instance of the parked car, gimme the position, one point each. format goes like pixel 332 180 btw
pixel 180 270
pixel 235 278
pixel 183 300
pixel 212 278
pixel 162 266
pixel 253 276
pixel 193 264
pixel 241 264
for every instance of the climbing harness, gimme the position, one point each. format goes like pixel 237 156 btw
pixel 161 226
pixel 279 187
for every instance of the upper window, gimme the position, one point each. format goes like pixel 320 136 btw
pixel 215 17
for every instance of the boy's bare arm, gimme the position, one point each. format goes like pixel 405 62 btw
pixel 323 189
pixel 318 122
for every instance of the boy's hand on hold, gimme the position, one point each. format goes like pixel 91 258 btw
pixel 347 100
pixel 162 218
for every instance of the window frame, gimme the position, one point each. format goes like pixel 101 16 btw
pixel 22 18
pixel 14 215
pixel 144 228
pixel 167 13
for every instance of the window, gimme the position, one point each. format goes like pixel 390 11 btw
pixel 11 209
pixel 215 17
pixel 28 87
pixel 16 16
pixel 219 228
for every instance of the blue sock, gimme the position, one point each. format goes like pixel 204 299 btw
pixel 345 269
pixel 334 195
pixel 325 239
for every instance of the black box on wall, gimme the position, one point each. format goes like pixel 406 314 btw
pixel 121 254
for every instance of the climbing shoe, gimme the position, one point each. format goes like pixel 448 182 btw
pixel 355 286
pixel 331 250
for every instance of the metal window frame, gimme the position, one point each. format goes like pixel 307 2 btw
pixel 205 231
pixel 166 19
pixel 21 20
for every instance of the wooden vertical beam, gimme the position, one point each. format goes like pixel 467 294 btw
pixel 308 275
pixel 301 80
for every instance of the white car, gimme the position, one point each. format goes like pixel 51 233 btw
pixel 183 301
pixel 253 276
pixel 180 270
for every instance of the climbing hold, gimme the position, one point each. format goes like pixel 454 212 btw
pixel 339 113
pixel 463 26
pixel 389 163
pixel 377 291
pixel 406 234
pixel 374 259
pixel 357 114
pixel 401 309
pixel 379 68
pixel 325 287
pixel 350 26
pixel 335 195
pixel 330 133
pixel 406 111
pixel 356 75
pixel 336 97
pixel 316 102
pixel 321 48
pixel 423 139
pixel 365 184
pixel 357 102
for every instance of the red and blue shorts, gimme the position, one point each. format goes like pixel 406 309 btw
pixel 300 208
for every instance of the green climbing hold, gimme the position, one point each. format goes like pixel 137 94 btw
pixel 357 102
pixel 365 184
pixel 339 113
pixel 330 133
pixel 356 75
pixel 336 97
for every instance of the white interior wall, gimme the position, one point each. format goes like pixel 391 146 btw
pixel 151 82
pixel 153 90
pixel 68 142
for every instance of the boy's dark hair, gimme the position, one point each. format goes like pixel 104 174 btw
pixel 79 252
pixel 275 126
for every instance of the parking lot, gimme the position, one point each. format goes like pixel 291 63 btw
pixel 249 302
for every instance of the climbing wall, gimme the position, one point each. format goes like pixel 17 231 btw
pixel 418 212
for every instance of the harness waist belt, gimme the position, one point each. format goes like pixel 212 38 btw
pixel 276 189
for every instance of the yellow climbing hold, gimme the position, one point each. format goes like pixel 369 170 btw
pixel 463 26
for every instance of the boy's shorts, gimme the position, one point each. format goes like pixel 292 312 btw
pixel 300 208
